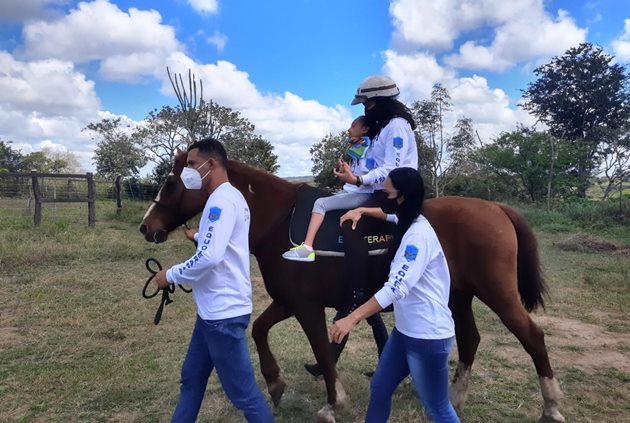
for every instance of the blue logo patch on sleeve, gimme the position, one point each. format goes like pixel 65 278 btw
pixel 398 142
pixel 411 252
pixel 370 164
pixel 215 214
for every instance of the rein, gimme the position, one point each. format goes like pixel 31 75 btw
pixel 166 299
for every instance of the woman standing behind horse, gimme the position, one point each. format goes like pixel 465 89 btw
pixel 418 286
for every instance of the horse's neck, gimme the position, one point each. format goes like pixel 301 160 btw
pixel 269 197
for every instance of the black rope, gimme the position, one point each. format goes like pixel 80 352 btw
pixel 166 299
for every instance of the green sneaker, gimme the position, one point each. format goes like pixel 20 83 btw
pixel 300 253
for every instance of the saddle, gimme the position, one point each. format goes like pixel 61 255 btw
pixel 329 240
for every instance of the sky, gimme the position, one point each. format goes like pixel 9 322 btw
pixel 290 67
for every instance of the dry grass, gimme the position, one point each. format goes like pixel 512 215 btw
pixel 77 341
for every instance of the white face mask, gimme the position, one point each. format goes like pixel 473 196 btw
pixel 192 178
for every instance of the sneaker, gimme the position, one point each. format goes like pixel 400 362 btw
pixel 300 253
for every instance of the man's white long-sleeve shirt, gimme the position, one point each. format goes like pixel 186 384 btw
pixel 394 147
pixel 219 270
pixel 419 284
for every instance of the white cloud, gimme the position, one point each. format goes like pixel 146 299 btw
pixel 218 40
pixel 46 87
pixel 129 43
pixel 523 30
pixel 414 74
pixel 204 7
pixel 490 109
pixel 291 123
pixel 621 46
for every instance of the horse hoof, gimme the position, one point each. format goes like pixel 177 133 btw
pixel 326 414
pixel 554 417
pixel 276 390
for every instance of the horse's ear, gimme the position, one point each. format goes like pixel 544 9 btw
pixel 178 153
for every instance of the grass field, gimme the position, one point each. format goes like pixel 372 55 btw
pixel 77 343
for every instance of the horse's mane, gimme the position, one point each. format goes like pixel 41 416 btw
pixel 255 173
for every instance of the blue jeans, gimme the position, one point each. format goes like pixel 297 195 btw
pixel 427 361
pixel 220 344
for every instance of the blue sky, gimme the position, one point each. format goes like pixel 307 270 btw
pixel 290 67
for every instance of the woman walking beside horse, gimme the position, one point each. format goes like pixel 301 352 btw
pixel 418 286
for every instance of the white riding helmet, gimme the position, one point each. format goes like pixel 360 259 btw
pixel 376 86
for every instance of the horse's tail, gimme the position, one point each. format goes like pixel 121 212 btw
pixel 531 282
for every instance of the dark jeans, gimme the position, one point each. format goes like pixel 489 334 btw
pixel 427 362
pixel 355 261
pixel 220 344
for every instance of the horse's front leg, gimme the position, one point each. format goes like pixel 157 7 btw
pixel 313 321
pixel 273 314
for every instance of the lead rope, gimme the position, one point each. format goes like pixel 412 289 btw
pixel 166 299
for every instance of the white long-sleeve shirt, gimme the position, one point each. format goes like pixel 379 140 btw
pixel 419 284
pixel 219 270
pixel 394 147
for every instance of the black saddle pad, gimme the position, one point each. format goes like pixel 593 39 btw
pixel 329 240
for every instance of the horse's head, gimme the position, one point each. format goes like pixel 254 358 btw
pixel 173 206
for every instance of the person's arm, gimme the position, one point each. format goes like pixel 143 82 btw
pixel 212 243
pixel 342 327
pixel 394 137
pixel 410 262
pixel 356 214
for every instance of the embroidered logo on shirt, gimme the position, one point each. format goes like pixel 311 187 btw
pixel 398 142
pixel 370 164
pixel 215 214
pixel 411 252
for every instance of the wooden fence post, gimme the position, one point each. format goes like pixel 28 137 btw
pixel 91 195
pixel 37 217
pixel 117 194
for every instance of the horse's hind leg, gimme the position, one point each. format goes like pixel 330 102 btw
pixel 313 321
pixel 518 321
pixel 467 337
pixel 273 314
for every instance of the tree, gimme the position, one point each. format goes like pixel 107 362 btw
pixel 615 165
pixel 325 155
pixel 201 119
pixel 522 158
pixel 64 161
pixel 582 97
pixel 116 152
pixel 256 151
pixel 442 157
pixel 10 159
pixel 160 137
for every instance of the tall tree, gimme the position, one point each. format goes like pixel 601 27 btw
pixel 583 97
pixel 442 157
pixel 325 155
pixel 161 135
pixel 10 159
pixel 117 153
pixel 202 119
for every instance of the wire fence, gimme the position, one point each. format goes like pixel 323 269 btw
pixel 64 199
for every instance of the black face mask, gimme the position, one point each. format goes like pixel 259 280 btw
pixel 390 205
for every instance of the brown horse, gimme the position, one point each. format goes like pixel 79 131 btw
pixel 491 251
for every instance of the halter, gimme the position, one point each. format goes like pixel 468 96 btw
pixel 166 299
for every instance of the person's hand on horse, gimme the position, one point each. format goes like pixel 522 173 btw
pixel 344 173
pixel 354 215
pixel 341 328
pixel 160 279
pixel 189 232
